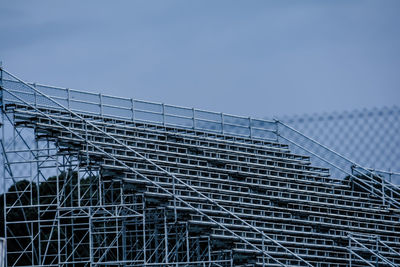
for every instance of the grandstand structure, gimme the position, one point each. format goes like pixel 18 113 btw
pixel 96 180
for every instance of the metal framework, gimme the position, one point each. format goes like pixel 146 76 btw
pixel 97 180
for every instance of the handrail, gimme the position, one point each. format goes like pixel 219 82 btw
pixel 362 184
pixel 371 251
pixel 376 173
pixel 361 258
pixel 334 165
pixel 158 167
pixel 376 237
pixel 129 108
pixel 390 248
pixel 334 152
pixel 381 187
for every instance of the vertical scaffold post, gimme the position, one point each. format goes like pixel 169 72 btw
pixel 277 130
pixel 193 119
pixel 35 95
pixel 90 238
pixel 166 237
pixel 1 84
pixel 222 123
pixel 390 181
pixel 250 130
pixel 163 113
pixel 377 250
pixel 174 193
pixel 68 99
pixel 144 231
pixel 263 250
pixel 187 243
pixel 58 212
pixel 351 177
pixel 133 109
pixel 3 172
pixel 124 246
pixel 37 181
pixel 209 249
pixel 350 250
pixel 101 104
pixel 383 190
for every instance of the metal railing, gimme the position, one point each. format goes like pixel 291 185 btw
pixel 140 111
pixel 340 166
pixel 358 244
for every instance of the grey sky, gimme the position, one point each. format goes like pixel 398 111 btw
pixel 257 58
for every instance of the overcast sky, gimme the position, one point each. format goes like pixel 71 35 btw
pixel 257 58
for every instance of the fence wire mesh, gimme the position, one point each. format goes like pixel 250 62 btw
pixel 369 137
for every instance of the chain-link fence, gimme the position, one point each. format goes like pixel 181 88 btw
pixel 369 137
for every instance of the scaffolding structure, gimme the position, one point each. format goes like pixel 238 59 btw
pixel 96 180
